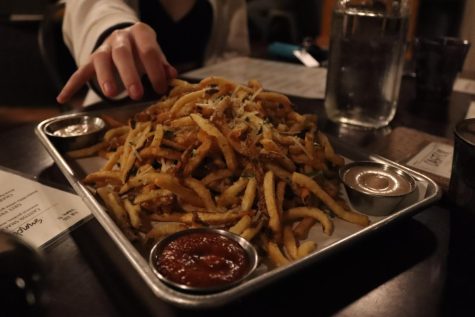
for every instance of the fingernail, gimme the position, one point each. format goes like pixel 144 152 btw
pixel 172 72
pixel 107 88
pixel 60 98
pixel 134 91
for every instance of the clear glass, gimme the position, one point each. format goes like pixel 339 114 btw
pixel 365 66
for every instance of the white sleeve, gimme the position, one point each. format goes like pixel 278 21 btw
pixel 85 20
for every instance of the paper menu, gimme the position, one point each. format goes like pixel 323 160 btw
pixel 286 78
pixel 435 158
pixel 464 85
pixel 470 111
pixel 36 212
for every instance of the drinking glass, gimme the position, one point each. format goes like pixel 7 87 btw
pixel 438 62
pixel 365 66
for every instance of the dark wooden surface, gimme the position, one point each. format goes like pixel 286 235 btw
pixel 404 270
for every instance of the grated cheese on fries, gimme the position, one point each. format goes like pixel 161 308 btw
pixel 221 154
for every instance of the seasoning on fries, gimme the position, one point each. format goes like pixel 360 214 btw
pixel 220 154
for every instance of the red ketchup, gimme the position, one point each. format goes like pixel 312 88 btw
pixel 202 259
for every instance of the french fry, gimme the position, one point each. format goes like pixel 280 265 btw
pixel 249 194
pixel 85 152
pixel 188 98
pixel 182 122
pixel 251 232
pixel 159 152
pixel 226 155
pixel 223 143
pixel 218 218
pixel 230 195
pixel 276 255
pixel 271 146
pixel 306 248
pixel 139 180
pixel 157 136
pixel 113 159
pixel 135 140
pixel 203 192
pixel 144 169
pixel 114 204
pixel 172 183
pixel 134 213
pixel 295 116
pixel 304 195
pixel 279 171
pixel 315 213
pixel 241 225
pixel 280 158
pixel 289 242
pixel 198 156
pixel 104 176
pixel 153 194
pixel 175 145
pixel 115 132
pixel 223 83
pixel 328 150
pixel 275 97
pixel 181 89
pixel 255 84
pixel 271 204
pixel 309 141
pixel 216 176
pixel 303 227
pixel 280 193
pixel 160 230
pixel 187 218
pixel 303 180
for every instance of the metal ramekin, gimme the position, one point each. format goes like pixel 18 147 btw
pixel 372 202
pixel 247 246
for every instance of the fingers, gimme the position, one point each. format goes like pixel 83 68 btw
pixel 105 69
pixel 151 56
pixel 171 71
pixel 123 58
pixel 78 79
pixel 128 52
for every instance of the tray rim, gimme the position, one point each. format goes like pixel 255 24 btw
pixel 206 301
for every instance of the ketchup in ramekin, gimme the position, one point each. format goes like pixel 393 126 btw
pixel 203 259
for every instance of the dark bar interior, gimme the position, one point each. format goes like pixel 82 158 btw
pixel 418 261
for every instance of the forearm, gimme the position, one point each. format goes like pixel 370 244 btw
pixel 86 20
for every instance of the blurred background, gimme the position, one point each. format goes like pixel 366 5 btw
pixel 34 63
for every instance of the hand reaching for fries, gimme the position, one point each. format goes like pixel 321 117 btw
pixel 225 155
pixel 128 53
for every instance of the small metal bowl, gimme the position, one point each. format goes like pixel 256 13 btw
pixel 75 131
pixel 375 188
pixel 199 259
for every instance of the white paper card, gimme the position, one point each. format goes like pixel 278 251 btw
pixel 37 212
pixel 435 158
pixel 286 78
pixel 464 85
pixel 470 111
pixel 306 58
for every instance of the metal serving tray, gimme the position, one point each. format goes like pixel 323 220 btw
pixel 345 234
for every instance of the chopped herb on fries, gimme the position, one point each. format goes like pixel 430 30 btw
pixel 217 153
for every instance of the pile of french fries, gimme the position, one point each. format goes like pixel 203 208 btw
pixel 221 154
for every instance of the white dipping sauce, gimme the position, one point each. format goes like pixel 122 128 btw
pixel 377 181
pixel 75 130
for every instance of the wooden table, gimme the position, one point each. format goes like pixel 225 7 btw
pixel 406 269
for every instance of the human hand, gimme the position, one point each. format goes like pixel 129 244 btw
pixel 130 52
